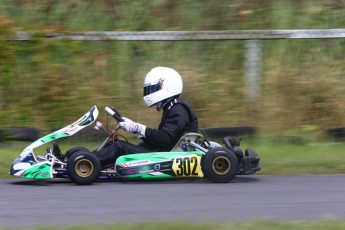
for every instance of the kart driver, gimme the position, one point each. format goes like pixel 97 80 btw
pixel 162 88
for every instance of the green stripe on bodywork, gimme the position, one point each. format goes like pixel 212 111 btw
pixel 53 136
pixel 154 157
pixel 148 176
pixel 38 171
pixel 46 139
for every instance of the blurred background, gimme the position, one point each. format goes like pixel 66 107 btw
pixel 47 84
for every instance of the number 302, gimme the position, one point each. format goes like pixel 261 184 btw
pixel 186 166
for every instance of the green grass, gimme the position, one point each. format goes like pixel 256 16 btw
pixel 276 158
pixel 308 158
pixel 258 225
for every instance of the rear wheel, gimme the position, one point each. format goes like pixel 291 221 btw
pixel 220 165
pixel 83 168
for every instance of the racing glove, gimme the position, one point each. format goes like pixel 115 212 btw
pixel 133 127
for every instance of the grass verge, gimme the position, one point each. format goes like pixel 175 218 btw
pixel 258 225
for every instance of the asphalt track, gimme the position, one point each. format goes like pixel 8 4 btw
pixel 26 203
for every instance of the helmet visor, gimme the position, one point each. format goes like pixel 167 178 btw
pixel 152 88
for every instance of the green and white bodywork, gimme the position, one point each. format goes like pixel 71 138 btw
pixel 28 166
pixel 162 165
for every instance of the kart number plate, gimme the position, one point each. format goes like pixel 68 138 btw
pixel 187 166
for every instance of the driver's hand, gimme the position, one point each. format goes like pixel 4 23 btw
pixel 133 127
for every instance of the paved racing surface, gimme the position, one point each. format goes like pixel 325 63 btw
pixel 26 203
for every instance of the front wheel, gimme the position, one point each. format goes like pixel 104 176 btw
pixel 220 165
pixel 74 150
pixel 83 168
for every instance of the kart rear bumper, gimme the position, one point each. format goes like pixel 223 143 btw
pixel 250 163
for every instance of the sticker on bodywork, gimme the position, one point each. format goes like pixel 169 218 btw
pixel 187 166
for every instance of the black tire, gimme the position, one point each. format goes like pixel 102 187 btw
pixel 21 134
pixel 230 131
pixel 2 135
pixel 337 134
pixel 83 168
pixel 220 165
pixel 73 150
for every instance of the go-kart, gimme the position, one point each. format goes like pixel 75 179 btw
pixel 192 157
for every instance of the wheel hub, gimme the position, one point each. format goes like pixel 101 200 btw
pixel 84 168
pixel 221 165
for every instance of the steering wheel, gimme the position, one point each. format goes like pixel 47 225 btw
pixel 117 116
pixel 114 113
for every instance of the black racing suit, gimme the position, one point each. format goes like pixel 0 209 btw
pixel 178 118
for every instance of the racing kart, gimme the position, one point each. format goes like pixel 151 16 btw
pixel 192 157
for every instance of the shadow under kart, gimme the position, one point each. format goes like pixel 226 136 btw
pixel 192 157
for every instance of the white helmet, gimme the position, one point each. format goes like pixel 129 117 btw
pixel 161 83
